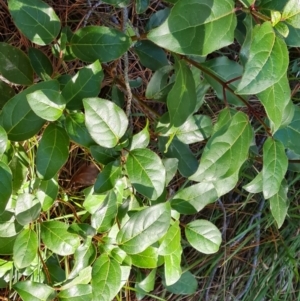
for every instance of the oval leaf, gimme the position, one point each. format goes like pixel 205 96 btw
pixel 146 172
pixel 146 259
pixel 105 121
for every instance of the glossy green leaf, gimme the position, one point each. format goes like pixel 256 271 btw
pixel 277 103
pixel 56 237
pixel 84 230
pixel 291 13
pixel 101 43
pixel 7 244
pixel 6 92
pixel 84 277
pixel 203 236
pixel 194 198
pixel 77 131
pixel 106 277
pixel 146 172
pixel 147 259
pixel 141 139
pixel 85 83
pixel 290 135
pixel 28 208
pixel 256 185
pixel 181 99
pixel 104 155
pixel 105 121
pixel 171 240
pixel 79 292
pixel 150 55
pixel 5 186
pixel 34 291
pixel 279 204
pixel 3 141
pixel 275 163
pixel 186 285
pixel 40 63
pixel 282 29
pixel 18 119
pixel 184 30
pixel 108 177
pixel 25 248
pixel 35 19
pixel 47 193
pixel 144 228
pixel 9 226
pixel 93 201
pixel 293 37
pixel 48 104
pixel 15 65
pixel 171 165
pixel 172 266
pixel 147 284
pixel 157 18
pixel 267 62
pixel 228 148
pixel 53 152
pixel 104 217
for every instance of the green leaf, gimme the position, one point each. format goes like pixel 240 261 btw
pixel 144 228
pixel 40 63
pixel 256 185
pixel 47 193
pixel 18 119
pixel 35 19
pixel 77 131
pixel 194 198
pixel 147 284
pixel 146 172
pixel 150 55
pixel 203 236
pixel 6 92
pixel 184 30
pixel 228 148
pixel 108 177
pixel 293 37
pixel 28 208
pixel 171 240
pixel 85 83
pixel 15 65
pixel 118 3
pixel 290 135
pixel 141 139
pixel 104 155
pixel 147 259
pixel 25 248
pixel 181 99
pixel 157 18
pixel 275 163
pixel 5 186
pixel 279 204
pixel 79 292
pixel 3 141
pixel 101 43
pixel 186 285
pixel 106 277
pixel 53 152
pixel 56 237
pixel 84 277
pixel 105 121
pixel 93 201
pixel 277 103
pixel 6 245
pixel 48 104
pixel 172 266
pixel 34 291
pixel 171 165
pixel 267 63
pixel 9 226
pixel 141 6
pixel 104 218
pixel 291 13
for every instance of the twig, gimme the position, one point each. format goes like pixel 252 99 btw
pixel 92 8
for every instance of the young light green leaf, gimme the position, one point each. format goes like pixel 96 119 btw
pixel 28 208
pixel 84 277
pixel 3 141
pixel 277 103
pixel 85 83
pixel 47 193
pixel 25 248
pixel 101 43
pixel 35 19
pixel 106 277
pixel 9 226
pixel 181 99
pixel 203 236
pixel 53 151
pixel 184 30
pixel 48 104
pixel 15 65
pixel 40 63
pixel 171 240
pixel 56 237
pixel 105 121
pixel 186 285
pixel 147 284
pixel 146 172
pixel 171 165
pixel 267 63
pixel 291 13
pixel 229 148
pixel 172 266
pixel 5 186
pixel 79 292
pixel 275 163
pixel 194 198
pixel 34 291
pixel 144 228
pixel 147 259
pixel 279 204
pixel 141 139
pixel 256 185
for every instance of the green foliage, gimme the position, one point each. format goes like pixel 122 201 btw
pixel 71 244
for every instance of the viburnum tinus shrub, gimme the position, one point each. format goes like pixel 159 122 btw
pixel 130 219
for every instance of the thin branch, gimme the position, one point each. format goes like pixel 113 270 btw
pixel 90 11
